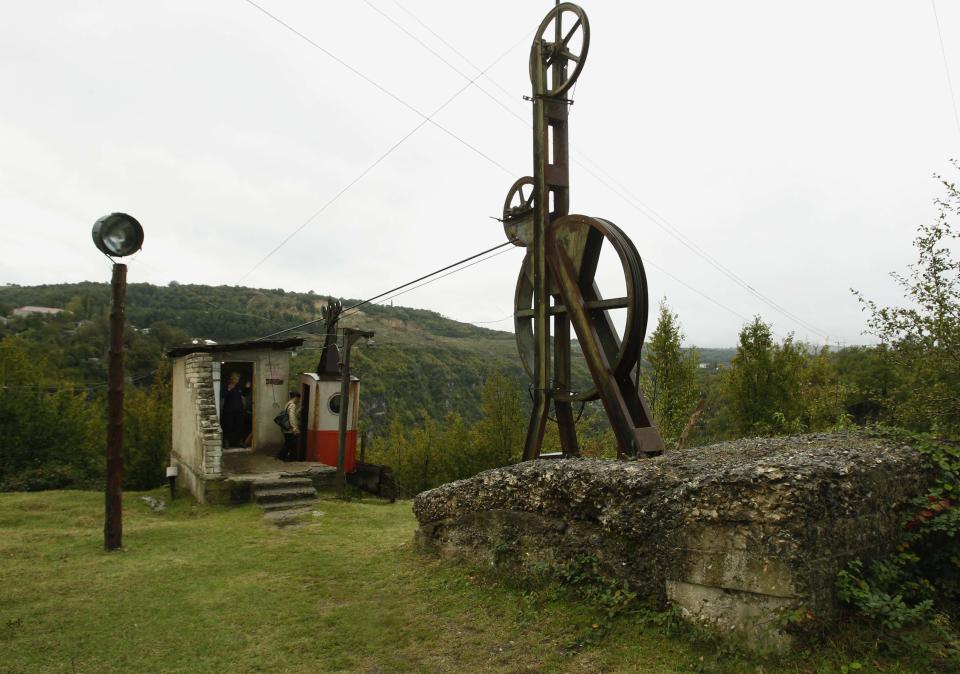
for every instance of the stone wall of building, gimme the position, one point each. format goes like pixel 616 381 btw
pixel 735 534
pixel 197 439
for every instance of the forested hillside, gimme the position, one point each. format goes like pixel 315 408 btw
pixel 421 364
pixel 421 361
pixel 440 399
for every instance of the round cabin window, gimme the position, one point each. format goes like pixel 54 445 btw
pixel 334 403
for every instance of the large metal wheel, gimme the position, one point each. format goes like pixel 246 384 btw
pixel 582 238
pixel 518 212
pixel 564 38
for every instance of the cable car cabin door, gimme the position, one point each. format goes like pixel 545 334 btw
pixel 323 416
pixel 305 413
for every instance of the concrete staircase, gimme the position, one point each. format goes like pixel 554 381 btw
pixel 284 498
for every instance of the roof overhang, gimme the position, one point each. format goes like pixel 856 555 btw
pixel 264 344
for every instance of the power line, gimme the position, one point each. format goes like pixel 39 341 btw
pixel 499 320
pixel 72 389
pixel 388 292
pixel 360 304
pixel 380 87
pixel 647 261
pixel 946 66
pixel 451 47
pixel 344 190
pixel 693 289
pixel 434 280
pixel 631 200
pixel 426 119
pixel 691 245
pixel 445 61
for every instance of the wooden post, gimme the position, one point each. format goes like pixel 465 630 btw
pixel 341 481
pixel 113 516
pixel 350 335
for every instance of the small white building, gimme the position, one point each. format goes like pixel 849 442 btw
pixel 199 376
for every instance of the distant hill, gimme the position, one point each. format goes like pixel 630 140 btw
pixel 716 356
pixel 420 363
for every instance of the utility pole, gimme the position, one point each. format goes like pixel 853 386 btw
pixel 113 519
pixel 350 336
pixel 116 235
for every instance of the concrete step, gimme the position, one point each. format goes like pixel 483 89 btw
pixel 297 504
pixel 281 483
pixel 264 496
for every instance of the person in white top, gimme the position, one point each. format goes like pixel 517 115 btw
pixel 291 434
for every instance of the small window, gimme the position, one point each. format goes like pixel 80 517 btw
pixel 334 403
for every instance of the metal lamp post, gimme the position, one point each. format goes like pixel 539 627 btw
pixel 116 235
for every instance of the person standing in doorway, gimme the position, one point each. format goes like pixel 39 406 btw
pixel 291 434
pixel 231 413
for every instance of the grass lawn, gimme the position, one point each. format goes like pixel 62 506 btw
pixel 214 589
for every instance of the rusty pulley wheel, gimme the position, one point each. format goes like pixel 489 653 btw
pixel 518 212
pixel 581 239
pixel 563 38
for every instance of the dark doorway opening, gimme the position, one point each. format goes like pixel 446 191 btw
pixel 236 404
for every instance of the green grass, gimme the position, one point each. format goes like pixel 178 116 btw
pixel 214 589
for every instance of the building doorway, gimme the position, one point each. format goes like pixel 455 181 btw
pixel 236 404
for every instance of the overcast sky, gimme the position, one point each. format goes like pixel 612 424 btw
pixel 793 143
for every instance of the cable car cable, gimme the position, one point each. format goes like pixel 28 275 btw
pixel 426 119
pixel 946 66
pixel 388 292
pixel 433 280
pixel 377 85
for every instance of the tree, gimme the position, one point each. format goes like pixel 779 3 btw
pixel 922 339
pixel 434 452
pixel 670 382
pixel 500 433
pixel 789 387
pixel 147 431
pixel 868 374
pixel 749 385
pixel 52 436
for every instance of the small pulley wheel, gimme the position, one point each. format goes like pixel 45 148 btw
pixel 581 239
pixel 518 212
pixel 563 38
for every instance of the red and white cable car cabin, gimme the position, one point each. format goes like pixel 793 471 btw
pixel 320 418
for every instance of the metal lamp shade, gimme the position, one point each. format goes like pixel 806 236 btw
pixel 118 234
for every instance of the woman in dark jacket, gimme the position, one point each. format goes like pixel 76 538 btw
pixel 231 413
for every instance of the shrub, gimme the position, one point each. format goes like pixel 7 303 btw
pixel 923 575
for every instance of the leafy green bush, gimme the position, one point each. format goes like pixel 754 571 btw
pixel 51 476
pixel 435 452
pixel 50 434
pixel 865 591
pixel 582 574
pixel 147 433
pixel 922 578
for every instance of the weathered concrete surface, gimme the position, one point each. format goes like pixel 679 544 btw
pixel 242 469
pixel 736 534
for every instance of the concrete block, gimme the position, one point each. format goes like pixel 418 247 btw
pixel 734 534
